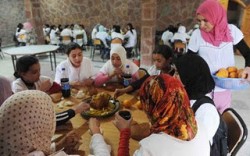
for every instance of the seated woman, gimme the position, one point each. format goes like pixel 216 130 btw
pixel 28 123
pixel 28 76
pixel 79 69
pixel 114 68
pixel 174 127
pixel 162 58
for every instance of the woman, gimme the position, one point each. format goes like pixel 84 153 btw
pixel 27 122
pixel 214 42
pixel 162 58
pixel 114 68
pixel 5 91
pixel 21 35
pixel 195 76
pixel 174 127
pixel 79 69
pixel 28 76
pixel 131 35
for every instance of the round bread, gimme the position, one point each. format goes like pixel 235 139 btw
pixel 223 73
pixel 231 69
pixel 56 97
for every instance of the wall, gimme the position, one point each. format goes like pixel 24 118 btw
pixel 91 12
pixel 12 12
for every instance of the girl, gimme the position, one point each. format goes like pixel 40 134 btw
pixel 114 68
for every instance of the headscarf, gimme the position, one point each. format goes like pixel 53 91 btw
pixel 182 29
pixel 27 123
pixel 5 90
pixel 216 15
pixel 101 28
pixel 166 102
pixel 195 75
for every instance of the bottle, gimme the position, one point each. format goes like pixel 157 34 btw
pixel 127 77
pixel 65 86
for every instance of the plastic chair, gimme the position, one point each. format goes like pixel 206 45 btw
pixel 97 45
pixel 179 47
pixel 237 130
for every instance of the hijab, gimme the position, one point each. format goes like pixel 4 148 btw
pixel 5 90
pixel 195 75
pixel 27 123
pixel 216 15
pixel 166 102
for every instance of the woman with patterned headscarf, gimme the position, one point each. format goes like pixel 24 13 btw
pixel 113 69
pixel 174 130
pixel 28 123
pixel 214 41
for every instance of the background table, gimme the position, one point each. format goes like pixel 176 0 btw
pixel 110 132
pixel 31 50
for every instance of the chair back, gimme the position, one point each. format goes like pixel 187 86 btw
pixel 79 36
pixel 237 130
pixel 66 39
pixel 116 41
pixel 97 42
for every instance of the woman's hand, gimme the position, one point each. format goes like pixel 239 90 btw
pixel 81 107
pixel 45 86
pixel 94 126
pixel 119 92
pixel 121 123
pixel 88 82
pixel 246 73
pixel 70 142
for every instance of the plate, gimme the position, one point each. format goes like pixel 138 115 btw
pixel 114 106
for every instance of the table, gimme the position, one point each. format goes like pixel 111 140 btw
pixel 110 132
pixel 32 50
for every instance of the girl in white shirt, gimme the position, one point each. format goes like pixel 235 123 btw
pixel 79 69
pixel 132 39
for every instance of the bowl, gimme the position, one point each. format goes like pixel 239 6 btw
pixel 231 83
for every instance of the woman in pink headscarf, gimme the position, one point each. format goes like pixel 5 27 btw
pixel 214 42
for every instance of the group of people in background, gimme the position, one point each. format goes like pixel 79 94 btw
pixel 167 93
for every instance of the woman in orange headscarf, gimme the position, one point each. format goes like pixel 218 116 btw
pixel 174 127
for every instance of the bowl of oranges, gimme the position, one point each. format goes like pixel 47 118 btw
pixel 230 78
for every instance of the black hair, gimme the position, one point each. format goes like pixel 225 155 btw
pixel 117 28
pixel 164 50
pixel 130 27
pixel 19 26
pixel 23 64
pixel 72 46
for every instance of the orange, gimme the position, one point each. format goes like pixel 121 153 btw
pixel 138 104
pixel 232 69
pixel 126 103
pixel 223 73
pixel 233 75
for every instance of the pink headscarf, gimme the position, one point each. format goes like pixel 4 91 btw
pixel 216 15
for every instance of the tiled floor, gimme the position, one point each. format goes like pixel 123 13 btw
pixel 240 98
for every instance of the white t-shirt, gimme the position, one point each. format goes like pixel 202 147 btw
pixel 18 85
pixel 108 68
pixel 208 115
pixel 132 39
pixel 162 144
pixel 216 57
pixel 79 74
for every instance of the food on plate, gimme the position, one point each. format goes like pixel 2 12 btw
pixel 223 73
pixel 56 97
pixel 68 103
pixel 100 100
pixel 101 112
pixel 80 94
pixel 92 91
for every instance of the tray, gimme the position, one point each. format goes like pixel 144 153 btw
pixel 231 83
